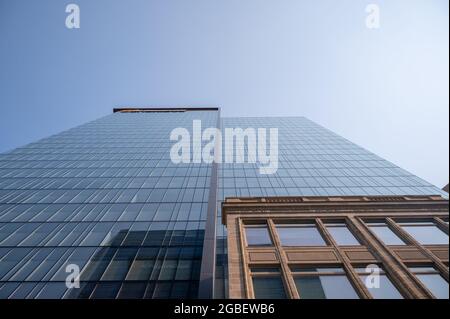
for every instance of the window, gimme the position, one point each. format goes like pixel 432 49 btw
pixel 120 264
pixel 184 269
pixel 341 234
pixel 431 279
pixel 180 290
pixel 258 236
pixel 378 283
pixel 426 233
pixel 300 235
pixel 105 291
pixel 269 288
pixel 140 270
pixel 52 290
pixel 323 283
pixel 131 290
pixel 162 290
pixel 168 269
pixel 385 234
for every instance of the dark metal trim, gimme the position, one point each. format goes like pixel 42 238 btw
pixel 163 109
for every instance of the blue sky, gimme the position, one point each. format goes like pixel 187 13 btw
pixel 385 89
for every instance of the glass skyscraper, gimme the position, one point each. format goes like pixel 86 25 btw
pixel 106 197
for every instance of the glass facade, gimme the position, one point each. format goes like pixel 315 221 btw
pixel 106 197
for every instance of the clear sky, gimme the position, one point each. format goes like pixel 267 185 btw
pixel 385 89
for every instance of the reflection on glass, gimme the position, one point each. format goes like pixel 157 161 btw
pixel 258 236
pixel 385 234
pixel 325 287
pixel 342 235
pixel 268 288
pixel 323 283
pixel 378 283
pixel 300 235
pixel 431 279
pixel 386 289
pixel 426 233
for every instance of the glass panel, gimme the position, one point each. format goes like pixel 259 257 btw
pixel 385 234
pixel 258 236
pixel 105 291
pixel 309 288
pixel 385 289
pixel 305 235
pixel 268 288
pixel 325 287
pixel 140 270
pixel 132 290
pixel 168 270
pixel 162 290
pixel 342 235
pixel 427 235
pixel 180 290
pixel 52 290
pixel 437 285
pixel 117 270
pixel 184 270
pixel 7 288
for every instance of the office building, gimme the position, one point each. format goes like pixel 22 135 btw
pixel 106 197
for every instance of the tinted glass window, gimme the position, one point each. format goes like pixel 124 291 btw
pixel 384 290
pixel 325 287
pixel 268 288
pixel 342 235
pixel 300 235
pixel 426 234
pixel 258 236
pixel 436 284
pixel 431 279
pixel 385 234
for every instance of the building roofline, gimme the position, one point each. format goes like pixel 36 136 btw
pixel 161 109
